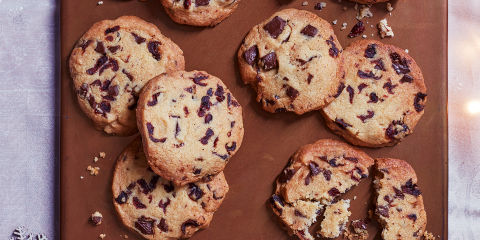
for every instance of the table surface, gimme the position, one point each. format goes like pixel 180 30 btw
pixel 28 117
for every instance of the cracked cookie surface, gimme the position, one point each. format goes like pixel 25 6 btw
pixel 190 125
pixel 293 61
pixel 112 62
pixel 383 97
pixel 399 201
pixel 316 175
pixel 199 12
pixel 155 207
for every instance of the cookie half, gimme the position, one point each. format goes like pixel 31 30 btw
pixel 191 125
pixel 318 174
pixel 112 62
pixel 293 61
pixel 399 201
pixel 199 12
pixel 383 97
pixel 155 207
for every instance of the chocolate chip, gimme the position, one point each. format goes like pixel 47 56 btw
pixel 359 224
pixel 406 79
pixel 251 55
pixel 100 48
pixel 100 62
pixel 351 159
pixel 382 211
pixel 286 175
pixel 371 51
pixel 231 102
pixel 277 199
pixel 379 65
pixel 121 198
pixel 389 87
pixel 154 100
pixel 197 171
pixel 314 169
pixel 112 29
pixel 138 39
pixel 150 129
pixel 366 75
pixel 299 214
pixel 189 223
pixel 223 157
pixel 373 98
pixel 164 205
pixel 177 129
pixel 410 188
pixel 398 193
pixel 145 225
pixel 219 93
pixel 195 192
pixel 399 64
pixel 163 225
pixel 144 185
pixel 129 76
pixel 339 90
pixel 153 49
pixel 396 128
pixel 275 26
pixel 351 93
pixel 138 204
pixel 357 30
pixel 232 147
pixel 341 123
pixel 169 187
pixel 112 63
pixel 333 192
pixel 105 107
pixel 208 134
pixel 113 49
pixel 309 78
pixel 201 2
pixel 412 217
pixel 309 30
pixel 198 78
pixel 292 93
pixel 204 106
pixel 187 3
pixel 208 118
pixel 85 44
pixel 269 61
pixel 361 87
pixel 333 51
pixel 369 115
pixel 419 97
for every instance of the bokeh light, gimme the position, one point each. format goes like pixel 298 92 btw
pixel 473 107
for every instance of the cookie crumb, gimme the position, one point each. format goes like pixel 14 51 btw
pixel 125 236
pixel 305 3
pixel 345 8
pixel 428 236
pixel 102 236
pixel 389 7
pixel 99 3
pixel 95 159
pixel 96 218
pixel 355 197
pixel 102 154
pixel 407 51
pixel 344 26
pixel 81 177
pixel 384 29
pixel 364 36
pixel 334 22
pixel 93 170
pixel 320 5
pixel 364 12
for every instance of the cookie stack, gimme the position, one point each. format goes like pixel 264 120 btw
pixel 128 77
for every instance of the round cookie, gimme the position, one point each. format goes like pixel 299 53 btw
pixel 382 99
pixel 190 124
pixel 399 201
pixel 316 175
pixel 112 62
pixel 293 61
pixel 155 207
pixel 199 12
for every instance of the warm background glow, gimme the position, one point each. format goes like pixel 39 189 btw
pixel 473 107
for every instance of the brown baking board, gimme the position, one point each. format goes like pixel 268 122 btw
pixel 420 26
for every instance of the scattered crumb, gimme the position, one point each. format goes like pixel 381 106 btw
pixel 96 218
pixel 429 236
pixel 320 5
pixel 305 3
pixel 372 34
pixel 389 7
pixel 406 50
pixel 364 13
pixel 93 170
pixel 81 177
pixel 125 236
pixel 345 8
pixel 102 235
pixel 102 154
pixel 334 22
pixel 384 29
pixel 364 36
pixel 371 25
pixel 99 3
pixel 355 197
pixel 344 26
pixel 95 159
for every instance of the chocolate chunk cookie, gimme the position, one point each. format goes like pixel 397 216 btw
pixel 190 124
pixel 155 207
pixel 315 176
pixel 199 12
pixel 110 64
pixel 293 61
pixel 383 97
pixel 399 201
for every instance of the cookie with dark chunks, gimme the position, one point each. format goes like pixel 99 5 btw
pixel 335 219
pixel 316 175
pixel 201 13
pixel 293 61
pixel 155 207
pixel 191 125
pixel 112 62
pixel 399 201
pixel 383 97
